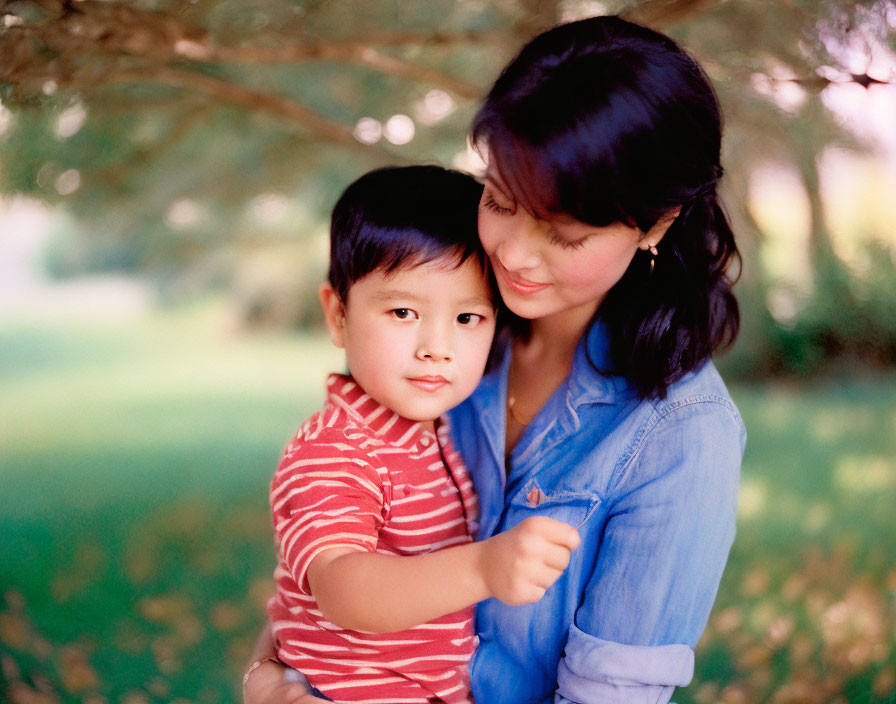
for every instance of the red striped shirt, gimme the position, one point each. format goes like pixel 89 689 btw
pixel 357 475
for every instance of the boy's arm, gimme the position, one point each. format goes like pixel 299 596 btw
pixel 367 591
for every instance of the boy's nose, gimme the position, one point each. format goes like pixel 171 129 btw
pixel 434 356
pixel 435 346
pixel 434 353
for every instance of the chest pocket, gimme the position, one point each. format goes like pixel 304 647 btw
pixel 572 507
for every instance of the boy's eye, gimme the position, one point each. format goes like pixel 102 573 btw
pixel 490 203
pixel 469 318
pixel 403 313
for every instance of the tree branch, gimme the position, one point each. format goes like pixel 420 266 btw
pixel 24 65
pixel 233 94
pixel 664 13
pixel 415 72
pixel 338 49
pixel 115 29
pixel 184 125
pixel 355 51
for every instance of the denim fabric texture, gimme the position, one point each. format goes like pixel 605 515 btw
pixel 652 488
pixel 293 675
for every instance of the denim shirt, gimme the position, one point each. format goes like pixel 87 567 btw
pixel 651 487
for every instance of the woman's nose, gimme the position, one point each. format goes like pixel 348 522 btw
pixel 517 250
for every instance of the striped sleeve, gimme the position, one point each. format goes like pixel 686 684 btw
pixel 324 496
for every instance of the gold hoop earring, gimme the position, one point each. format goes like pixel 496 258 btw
pixel 653 254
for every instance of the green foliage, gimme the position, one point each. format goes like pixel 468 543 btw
pixel 850 318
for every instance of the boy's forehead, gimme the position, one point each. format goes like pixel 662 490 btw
pixel 445 277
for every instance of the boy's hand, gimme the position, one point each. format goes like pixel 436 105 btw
pixel 520 564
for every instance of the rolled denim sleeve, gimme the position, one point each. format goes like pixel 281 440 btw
pixel 630 674
pixel 664 548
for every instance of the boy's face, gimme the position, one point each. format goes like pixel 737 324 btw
pixel 417 339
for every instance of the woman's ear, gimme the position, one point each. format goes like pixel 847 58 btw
pixel 652 237
pixel 334 313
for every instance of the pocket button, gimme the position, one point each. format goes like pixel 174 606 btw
pixel 535 497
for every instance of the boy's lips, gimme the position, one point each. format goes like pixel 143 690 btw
pixel 520 285
pixel 428 382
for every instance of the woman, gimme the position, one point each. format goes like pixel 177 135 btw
pixel 602 409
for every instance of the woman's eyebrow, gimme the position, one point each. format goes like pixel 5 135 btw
pixel 500 185
pixel 488 179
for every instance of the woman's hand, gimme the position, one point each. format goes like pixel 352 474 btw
pixel 268 684
pixel 520 564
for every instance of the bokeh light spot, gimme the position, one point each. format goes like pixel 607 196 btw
pixel 182 214
pixel 751 498
pixel 399 129
pixel 818 517
pixel 5 119
pixel 270 207
pixel 368 130
pixel 470 160
pixel 68 182
pixel 865 473
pixel 572 10
pixel 70 122
pixel 436 105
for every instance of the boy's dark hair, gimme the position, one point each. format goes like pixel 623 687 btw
pixel 608 121
pixel 403 216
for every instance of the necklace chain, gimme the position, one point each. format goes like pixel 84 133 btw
pixel 511 402
pixel 512 410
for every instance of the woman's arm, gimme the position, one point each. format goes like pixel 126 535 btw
pixel 366 591
pixel 664 549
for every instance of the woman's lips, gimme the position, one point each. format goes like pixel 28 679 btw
pixel 521 285
pixel 428 383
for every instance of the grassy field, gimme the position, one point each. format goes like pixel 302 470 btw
pixel 135 457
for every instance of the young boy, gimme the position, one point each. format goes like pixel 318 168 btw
pixel 373 510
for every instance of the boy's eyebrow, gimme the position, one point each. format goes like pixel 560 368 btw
pixel 400 294
pixel 393 293
pixel 475 301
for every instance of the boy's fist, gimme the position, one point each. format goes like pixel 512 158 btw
pixel 520 564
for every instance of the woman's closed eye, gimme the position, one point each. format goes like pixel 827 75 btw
pixel 565 243
pixel 489 202
pixel 403 314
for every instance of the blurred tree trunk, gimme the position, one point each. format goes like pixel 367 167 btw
pixel 806 151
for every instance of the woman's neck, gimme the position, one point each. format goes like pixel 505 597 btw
pixel 557 336
pixel 539 364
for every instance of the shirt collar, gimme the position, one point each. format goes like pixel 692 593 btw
pixel 590 379
pixel 345 393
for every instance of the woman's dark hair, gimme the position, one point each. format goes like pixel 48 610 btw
pixel 608 121
pixel 403 216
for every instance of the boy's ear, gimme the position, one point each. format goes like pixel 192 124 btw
pixel 334 313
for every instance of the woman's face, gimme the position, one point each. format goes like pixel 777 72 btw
pixel 550 267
